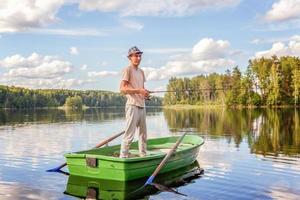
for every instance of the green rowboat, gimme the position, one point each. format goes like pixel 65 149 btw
pixel 104 163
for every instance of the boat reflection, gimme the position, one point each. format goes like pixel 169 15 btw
pixel 91 188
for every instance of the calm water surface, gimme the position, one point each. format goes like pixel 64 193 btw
pixel 248 154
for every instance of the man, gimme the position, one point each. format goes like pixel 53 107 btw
pixel 132 84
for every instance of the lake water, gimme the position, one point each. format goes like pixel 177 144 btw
pixel 247 154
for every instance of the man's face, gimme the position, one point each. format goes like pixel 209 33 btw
pixel 135 59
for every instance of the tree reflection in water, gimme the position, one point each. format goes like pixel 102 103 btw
pixel 268 131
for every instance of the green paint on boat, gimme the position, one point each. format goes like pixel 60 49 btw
pixel 104 163
pixel 93 188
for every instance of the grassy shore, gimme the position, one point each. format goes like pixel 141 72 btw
pixel 188 106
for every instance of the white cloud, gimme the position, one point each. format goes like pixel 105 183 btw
pixel 154 7
pixel 15 61
pixel 283 10
pixel 48 70
pixel 38 71
pixel 292 48
pixel 167 50
pixel 16 15
pixel 55 83
pixel 206 56
pixel 257 41
pixel 131 24
pixel 207 48
pixel 83 67
pixel 33 15
pixel 269 40
pixel 35 66
pixel 103 74
pixel 71 32
pixel 296 38
pixel 275 39
pixel 67 83
pixel 279 26
pixel 180 68
pixel 74 51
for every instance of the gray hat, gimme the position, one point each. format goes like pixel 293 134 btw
pixel 134 50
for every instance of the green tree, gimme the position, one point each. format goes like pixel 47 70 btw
pixel 74 102
pixel 274 95
pixel 296 82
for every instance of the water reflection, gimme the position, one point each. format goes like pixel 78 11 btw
pixel 13 190
pixel 267 131
pixel 90 188
pixel 23 117
pixel 247 154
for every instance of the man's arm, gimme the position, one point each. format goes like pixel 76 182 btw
pixel 125 88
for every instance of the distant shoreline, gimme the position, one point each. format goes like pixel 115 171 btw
pixel 188 106
pixel 177 106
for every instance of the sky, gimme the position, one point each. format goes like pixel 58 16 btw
pixel 83 44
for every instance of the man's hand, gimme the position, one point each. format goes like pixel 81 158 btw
pixel 144 93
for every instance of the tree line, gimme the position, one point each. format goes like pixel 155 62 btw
pixel 23 98
pixel 266 82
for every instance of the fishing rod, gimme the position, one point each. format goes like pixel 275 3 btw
pixel 187 90
pixel 194 90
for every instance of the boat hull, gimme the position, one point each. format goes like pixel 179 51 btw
pixel 103 163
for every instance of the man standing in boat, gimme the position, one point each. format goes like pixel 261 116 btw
pixel 132 84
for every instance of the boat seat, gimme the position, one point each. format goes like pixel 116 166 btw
pixel 154 149
pixel 169 146
pixel 135 153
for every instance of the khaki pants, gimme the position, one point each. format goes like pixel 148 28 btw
pixel 135 120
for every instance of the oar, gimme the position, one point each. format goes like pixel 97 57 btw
pixel 163 162
pixel 57 169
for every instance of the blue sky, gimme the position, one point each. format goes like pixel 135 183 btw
pixel 82 44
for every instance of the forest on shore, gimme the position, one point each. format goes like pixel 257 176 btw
pixel 267 82
pixel 23 98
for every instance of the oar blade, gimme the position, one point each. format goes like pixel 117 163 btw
pixel 57 169
pixel 149 180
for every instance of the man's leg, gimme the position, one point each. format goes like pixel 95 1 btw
pixel 131 123
pixel 142 132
